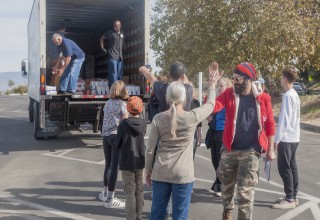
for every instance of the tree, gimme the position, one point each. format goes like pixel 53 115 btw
pixel 11 83
pixel 272 35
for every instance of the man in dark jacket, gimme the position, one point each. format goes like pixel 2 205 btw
pixel 130 139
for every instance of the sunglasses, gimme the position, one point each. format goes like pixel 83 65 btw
pixel 236 78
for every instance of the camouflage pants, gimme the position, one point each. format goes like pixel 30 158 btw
pixel 241 167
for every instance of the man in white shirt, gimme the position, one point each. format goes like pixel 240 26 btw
pixel 287 139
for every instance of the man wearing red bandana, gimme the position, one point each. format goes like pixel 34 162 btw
pixel 249 132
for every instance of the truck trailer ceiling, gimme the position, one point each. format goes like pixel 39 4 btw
pixel 85 15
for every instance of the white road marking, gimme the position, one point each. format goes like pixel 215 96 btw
pixel 203 157
pixel 203 180
pixel 4 116
pixel 18 111
pixel 299 209
pixel 292 213
pixel 46 209
pixel 315 211
pixel 306 196
pixel 1 109
pixel 71 158
pixel 102 162
pixel 312 203
pixel 65 152
pixel 60 154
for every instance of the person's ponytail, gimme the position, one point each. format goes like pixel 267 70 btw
pixel 173 119
pixel 176 94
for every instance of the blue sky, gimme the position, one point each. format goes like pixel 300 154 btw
pixel 14 16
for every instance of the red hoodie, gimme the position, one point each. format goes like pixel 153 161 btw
pixel 230 100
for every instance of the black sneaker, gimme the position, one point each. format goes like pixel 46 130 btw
pixel 62 92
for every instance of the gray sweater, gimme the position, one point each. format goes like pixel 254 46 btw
pixel 174 157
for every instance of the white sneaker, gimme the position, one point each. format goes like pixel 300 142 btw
pixel 284 204
pixel 217 194
pixel 114 203
pixel 296 200
pixel 103 196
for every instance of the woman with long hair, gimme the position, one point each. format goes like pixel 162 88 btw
pixel 173 169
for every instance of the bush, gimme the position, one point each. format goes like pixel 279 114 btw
pixel 18 90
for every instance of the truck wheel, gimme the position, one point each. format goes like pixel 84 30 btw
pixel 31 110
pixel 36 121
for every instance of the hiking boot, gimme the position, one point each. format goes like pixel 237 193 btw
pixel 284 204
pixel 296 201
pixel 103 196
pixel 114 203
pixel 227 215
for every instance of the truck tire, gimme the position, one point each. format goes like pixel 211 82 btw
pixel 36 121
pixel 31 110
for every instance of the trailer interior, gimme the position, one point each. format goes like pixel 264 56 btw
pixel 87 20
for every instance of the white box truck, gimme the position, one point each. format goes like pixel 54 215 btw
pixel 85 22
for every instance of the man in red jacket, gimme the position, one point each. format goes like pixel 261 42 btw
pixel 249 131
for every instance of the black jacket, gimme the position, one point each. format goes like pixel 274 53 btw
pixel 130 139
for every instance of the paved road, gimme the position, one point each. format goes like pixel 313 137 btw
pixel 61 178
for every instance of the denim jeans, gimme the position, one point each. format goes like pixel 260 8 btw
pixel 111 155
pixel 181 195
pixel 115 70
pixel 133 188
pixel 69 78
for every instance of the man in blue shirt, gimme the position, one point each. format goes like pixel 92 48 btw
pixel 115 44
pixel 70 69
pixel 54 54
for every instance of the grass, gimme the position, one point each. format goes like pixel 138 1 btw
pixel 310 106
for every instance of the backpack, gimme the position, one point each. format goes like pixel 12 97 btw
pixel 153 107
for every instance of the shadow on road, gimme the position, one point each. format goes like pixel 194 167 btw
pixel 74 198
pixel 18 136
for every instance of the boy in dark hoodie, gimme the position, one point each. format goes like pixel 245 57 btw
pixel 130 139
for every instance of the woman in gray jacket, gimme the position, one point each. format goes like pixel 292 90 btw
pixel 173 170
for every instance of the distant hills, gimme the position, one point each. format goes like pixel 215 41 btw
pixel 16 77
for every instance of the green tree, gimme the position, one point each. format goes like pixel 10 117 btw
pixel 272 35
pixel 11 83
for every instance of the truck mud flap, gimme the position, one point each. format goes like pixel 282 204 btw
pixel 51 129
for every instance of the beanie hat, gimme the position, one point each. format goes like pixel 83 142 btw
pixel 134 105
pixel 246 70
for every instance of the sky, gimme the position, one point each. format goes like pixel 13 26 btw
pixel 14 17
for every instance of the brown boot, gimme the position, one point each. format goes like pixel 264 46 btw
pixel 227 215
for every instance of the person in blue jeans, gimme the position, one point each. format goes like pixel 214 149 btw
pixel 69 70
pixel 114 39
pixel 170 165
